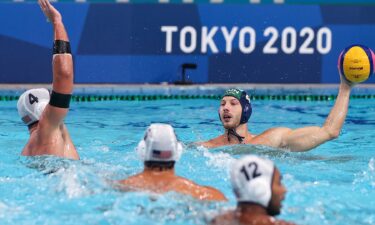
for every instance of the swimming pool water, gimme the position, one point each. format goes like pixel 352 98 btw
pixel 332 184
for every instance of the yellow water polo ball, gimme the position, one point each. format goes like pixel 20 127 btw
pixel 356 63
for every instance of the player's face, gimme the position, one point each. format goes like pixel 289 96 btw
pixel 278 194
pixel 230 112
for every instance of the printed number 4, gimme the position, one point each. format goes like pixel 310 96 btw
pixel 246 170
pixel 33 99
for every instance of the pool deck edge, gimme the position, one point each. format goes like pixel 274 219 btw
pixel 196 89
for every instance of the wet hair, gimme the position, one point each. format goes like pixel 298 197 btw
pixel 167 165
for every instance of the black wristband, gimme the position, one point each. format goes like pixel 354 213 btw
pixel 60 100
pixel 61 47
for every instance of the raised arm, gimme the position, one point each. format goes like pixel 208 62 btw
pixel 62 64
pixel 306 138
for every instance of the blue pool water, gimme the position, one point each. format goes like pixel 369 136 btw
pixel 332 184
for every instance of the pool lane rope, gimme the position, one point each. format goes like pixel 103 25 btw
pixel 95 98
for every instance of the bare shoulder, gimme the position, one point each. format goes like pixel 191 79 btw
pixel 275 131
pixel 269 220
pixel 214 194
pixel 283 222
pixel 272 137
pixel 265 220
pixel 200 192
pixel 46 129
pixel 128 184
pixel 230 218
pixel 40 140
pixel 212 143
pixel 227 218
pixel 185 184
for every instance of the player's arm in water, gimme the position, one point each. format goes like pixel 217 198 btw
pixel 62 64
pixel 306 138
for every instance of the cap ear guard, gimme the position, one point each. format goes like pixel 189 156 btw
pixel 246 107
pixel 180 149
pixel 141 150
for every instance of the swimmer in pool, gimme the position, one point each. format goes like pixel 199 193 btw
pixel 235 110
pixel 257 185
pixel 43 112
pixel 159 150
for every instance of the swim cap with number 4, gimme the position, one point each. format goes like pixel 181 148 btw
pixel 31 104
pixel 251 179
pixel 356 63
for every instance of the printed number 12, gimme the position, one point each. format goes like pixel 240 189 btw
pixel 254 173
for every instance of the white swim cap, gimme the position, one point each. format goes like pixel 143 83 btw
pixel 31 104
pixel 251 179
pixel 159 144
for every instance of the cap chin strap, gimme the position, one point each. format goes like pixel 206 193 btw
pixel 234 133
pixel 32 124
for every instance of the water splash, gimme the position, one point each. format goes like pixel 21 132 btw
pixel 365 180
pixel 170 208
pixel 79 181
pixel 219 160
pixel 9 212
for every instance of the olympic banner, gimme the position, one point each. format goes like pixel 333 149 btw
pixel 151 43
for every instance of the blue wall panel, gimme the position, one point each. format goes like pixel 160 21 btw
pixel 124 43
pixel 138 69
pixel 22 62
pixel 114 29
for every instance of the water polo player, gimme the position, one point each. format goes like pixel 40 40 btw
pixel 160 150
pixel 43 112
pixel 257 185
pixel 235 111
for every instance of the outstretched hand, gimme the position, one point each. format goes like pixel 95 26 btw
pixel 345 81
pixel 49 11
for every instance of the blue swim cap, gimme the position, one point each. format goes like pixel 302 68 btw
pixel 244 99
